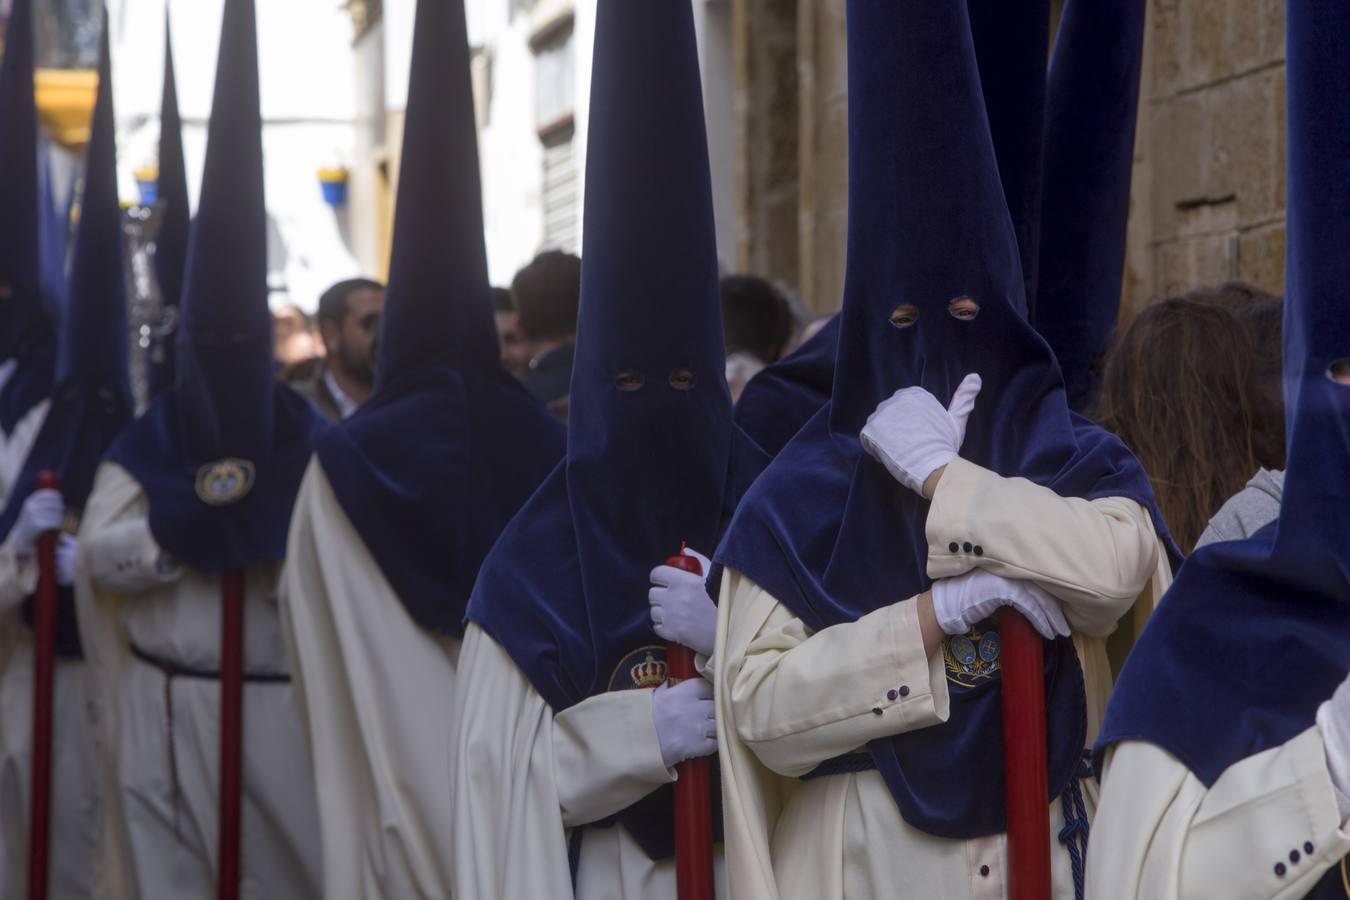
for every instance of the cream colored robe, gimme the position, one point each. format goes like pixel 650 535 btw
pixel 75 797
pixel 524 777
pixel 789 699
pixel 158 737
pixel 1161 835
pixel 378 696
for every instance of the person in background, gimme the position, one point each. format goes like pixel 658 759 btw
pixel 1180 391
pixel 1235 296
pixel 27 311
pixel 1264 324
pixel 547 293
pixel 568 730
pixel 757 325
pixel 1261 313
pixel 293 337
pixel 200 486
pixel 90 405
pixel 1258 504
pixel 1225 755
pixel 402 502
pixel 512 347
pixel 349 323
pixel 813 328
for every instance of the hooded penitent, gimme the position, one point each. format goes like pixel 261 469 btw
pixel 1091 111
pixel 431 469
pixel 91 402
pixel 1254 634
pixel 171 241
pixel 221 453
pixel 564 592
pixel 826 530
pixel 1010 42
pixel 26 334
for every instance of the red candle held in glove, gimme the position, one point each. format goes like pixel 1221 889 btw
pixel 693 790
pixel 44 671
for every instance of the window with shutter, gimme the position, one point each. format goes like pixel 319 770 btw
pixel 555 101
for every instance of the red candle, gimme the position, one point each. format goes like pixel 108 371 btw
pixel 693 790
pixel 44 671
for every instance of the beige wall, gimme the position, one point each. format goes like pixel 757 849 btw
pixel 1208 196
pixel 1209 188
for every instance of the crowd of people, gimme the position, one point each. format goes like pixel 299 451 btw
pixel 395 603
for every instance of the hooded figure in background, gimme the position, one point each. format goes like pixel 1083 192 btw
pixel 778 401
pixel 402 502
pixel 90 404
pixel 201 485
pixel 54 220
pixel 1092 106
pixel 858 672
pixel 27 337
pixel 171 241
pixel 567 731
pixel 1091 111
pixel 1226 747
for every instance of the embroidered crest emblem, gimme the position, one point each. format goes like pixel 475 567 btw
pixel 224 481
pixel 645 667
pixel 972 657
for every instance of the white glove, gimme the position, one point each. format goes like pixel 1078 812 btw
pixel 961 602
pixel 913 436
pixel 43 511
pixel 67 546
pixel 686 724
pixel 682 611
pixel 1333 718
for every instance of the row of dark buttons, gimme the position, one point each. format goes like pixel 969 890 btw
pixel 892 694
pixel 967 547
pixel 1281 869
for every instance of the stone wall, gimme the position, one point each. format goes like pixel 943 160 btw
pixel 768 97
pixel 1208 199
pixel 1208 193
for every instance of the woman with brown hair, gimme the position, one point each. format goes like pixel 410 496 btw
pixel 1180 390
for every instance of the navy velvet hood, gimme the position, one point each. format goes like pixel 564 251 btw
pixel 778 401
pixel 1091 113
pixel 54 237
pixel 564 592
pixel 91 402
pixel 826 529
pixel 1255 634
pixel 1011 46
pixel 449 447
pixel 171 242
pixel 26 333
pixel 220 455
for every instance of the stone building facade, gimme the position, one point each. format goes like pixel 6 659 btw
pixel 1208 190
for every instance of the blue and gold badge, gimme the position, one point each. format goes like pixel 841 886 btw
pixel 645 667
pixel 224 481
pixel 972 657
